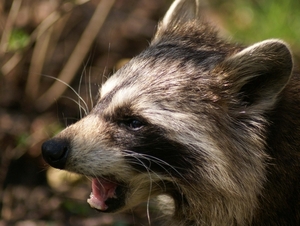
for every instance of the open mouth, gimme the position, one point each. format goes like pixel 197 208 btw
pixel 107 195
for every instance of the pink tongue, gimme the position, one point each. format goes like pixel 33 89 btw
pixel 101 190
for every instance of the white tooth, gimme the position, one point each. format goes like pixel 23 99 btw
pixel 95 203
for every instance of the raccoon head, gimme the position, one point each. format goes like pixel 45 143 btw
pixel 185 118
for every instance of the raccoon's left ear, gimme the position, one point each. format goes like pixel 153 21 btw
pixel 258 73
pixel 179 12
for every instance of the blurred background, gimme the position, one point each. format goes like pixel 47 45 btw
pixel 54 56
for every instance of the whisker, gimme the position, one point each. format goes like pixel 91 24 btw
pixel 83 74
pixel 162 164
pixel 79 89
pixel 81 108
pixel 90 89
pixel 143 164
pixel 150 189
pixel 71 88
pixel 158 161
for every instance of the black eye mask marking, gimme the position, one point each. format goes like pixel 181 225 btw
pixel 133 124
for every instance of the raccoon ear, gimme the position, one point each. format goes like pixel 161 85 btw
pixel 179 12
pixel 259 73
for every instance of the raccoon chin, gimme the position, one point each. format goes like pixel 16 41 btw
pixel 107 195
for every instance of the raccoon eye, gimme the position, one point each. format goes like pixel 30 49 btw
pixel 134 124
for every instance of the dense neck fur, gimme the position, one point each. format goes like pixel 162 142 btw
pixel 283 145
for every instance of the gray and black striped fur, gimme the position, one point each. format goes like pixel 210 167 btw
pixel 214 126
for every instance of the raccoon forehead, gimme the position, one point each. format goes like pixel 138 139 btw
pixel 109 85
pixel 122 77
pixel 164 82
pixel 161 61
pixel 125 97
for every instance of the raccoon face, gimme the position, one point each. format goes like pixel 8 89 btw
pixel 184 117
pixel 131 143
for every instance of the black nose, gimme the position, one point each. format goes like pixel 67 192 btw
pixel 55 152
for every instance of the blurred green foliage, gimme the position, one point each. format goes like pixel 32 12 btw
pixel 73 207
pixel 254 20
pixel 18 39
pixel 120 223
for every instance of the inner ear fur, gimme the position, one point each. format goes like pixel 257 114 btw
pixel 259 73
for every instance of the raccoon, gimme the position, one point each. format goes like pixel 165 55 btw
pixel 212 125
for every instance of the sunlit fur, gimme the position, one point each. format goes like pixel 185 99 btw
pixel 220 133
